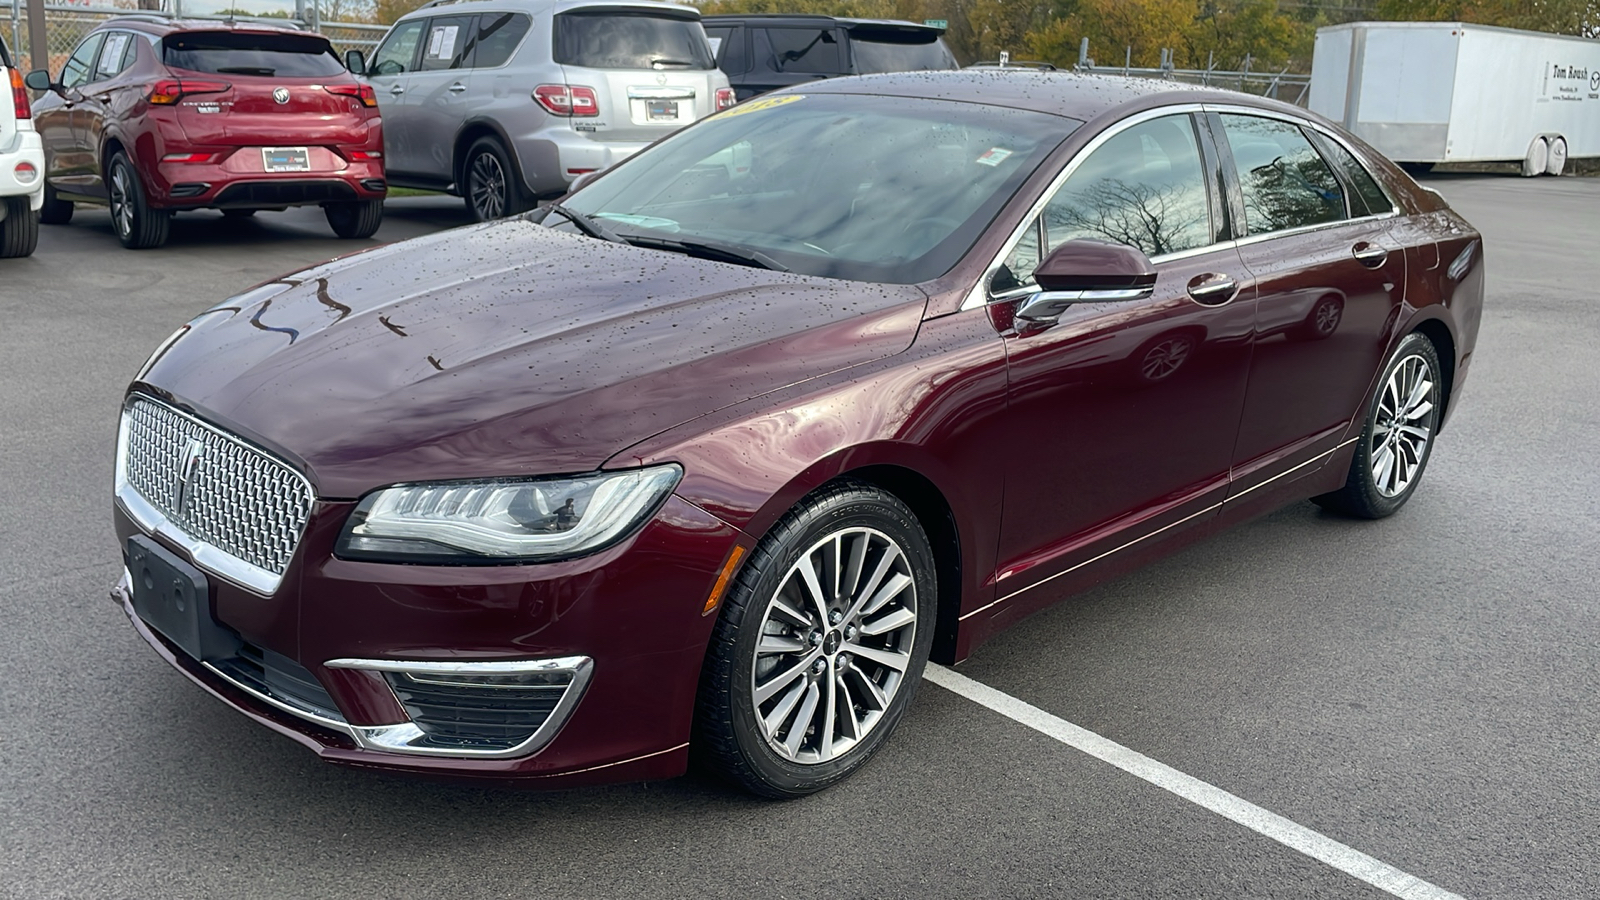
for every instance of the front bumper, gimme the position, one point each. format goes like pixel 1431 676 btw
pixel 623 626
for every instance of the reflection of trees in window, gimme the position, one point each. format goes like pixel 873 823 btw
pixel 1157 218
pixel 1287 194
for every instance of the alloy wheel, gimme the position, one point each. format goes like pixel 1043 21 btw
pixel 1403 426
pixel 836 640
pixel 121 201
pixel 488 186
pixel 1165 358
pixel 1327 318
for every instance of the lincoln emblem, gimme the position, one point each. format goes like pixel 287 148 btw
pixel 191 457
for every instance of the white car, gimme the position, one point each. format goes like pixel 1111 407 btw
pixel 21 166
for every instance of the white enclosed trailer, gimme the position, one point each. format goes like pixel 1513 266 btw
pixel 1434 92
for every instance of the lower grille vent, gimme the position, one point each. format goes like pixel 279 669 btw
pixel 489 712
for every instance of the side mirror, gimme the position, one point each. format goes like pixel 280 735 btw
pixel 39 80
pixel 1085 271
pixel 355 62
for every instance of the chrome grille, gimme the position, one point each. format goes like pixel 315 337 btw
pixel 218 490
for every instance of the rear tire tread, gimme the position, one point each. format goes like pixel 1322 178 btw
pixel 19 233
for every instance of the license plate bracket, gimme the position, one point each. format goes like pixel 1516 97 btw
pixel 661 110
pixel 174 598
pixel 285 159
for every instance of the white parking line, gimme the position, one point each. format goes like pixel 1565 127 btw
pixel 1375 872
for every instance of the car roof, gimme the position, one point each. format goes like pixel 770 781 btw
pixel 161 25
pixel 1076 95
pixel 437 7
pixel 809 19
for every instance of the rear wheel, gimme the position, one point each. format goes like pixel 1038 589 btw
pixel 1397 438
pixel 820 644
pixel 489 184
pixel 1556 162
pixel 55 210
pixel 19 232
pixel 1537 160
pixel 137 225
pixel 354 218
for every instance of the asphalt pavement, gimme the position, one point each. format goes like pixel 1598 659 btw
pixel 1421 689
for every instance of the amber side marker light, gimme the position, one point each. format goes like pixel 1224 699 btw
pixel 723 577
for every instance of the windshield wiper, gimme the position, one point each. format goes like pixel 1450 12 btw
pixel 663 61
pixel 588 226
pixel 724 252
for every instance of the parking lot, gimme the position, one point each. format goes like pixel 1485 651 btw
pixel 1421 690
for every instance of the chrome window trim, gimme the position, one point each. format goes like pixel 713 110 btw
pixel 1231 109
pixel 979 295
pixel 399 738
pixel 214 560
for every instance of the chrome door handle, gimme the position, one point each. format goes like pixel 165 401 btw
pixel 1212 290
pixel 397 89
pixel 1369 255
pixel 456 88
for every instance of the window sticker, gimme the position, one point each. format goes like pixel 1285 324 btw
pixel 442 42
pixel 111 54
pixel 761 104
pixel 993 156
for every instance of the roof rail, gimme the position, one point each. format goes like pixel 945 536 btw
pixel 432 3
pixel 145 17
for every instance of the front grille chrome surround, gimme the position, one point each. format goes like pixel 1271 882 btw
pixel 238 510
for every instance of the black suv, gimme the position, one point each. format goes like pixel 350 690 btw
pixel 766 52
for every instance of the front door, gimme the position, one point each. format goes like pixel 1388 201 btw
pixel 390 74
pixel 1122 416
pixel 71 164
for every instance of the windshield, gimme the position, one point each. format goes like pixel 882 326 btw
pixel 887 53
pixel 613 40
pixel 244 53
pixel 866 188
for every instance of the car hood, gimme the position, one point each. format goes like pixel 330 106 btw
pixel 509 349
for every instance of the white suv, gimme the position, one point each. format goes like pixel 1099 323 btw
pixel 21 166
pixel 506 102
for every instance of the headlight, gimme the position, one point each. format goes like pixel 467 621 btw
pixel 503 520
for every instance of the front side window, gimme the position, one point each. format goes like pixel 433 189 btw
pixel 810 51
pixel 80 66
pixel 497 38
pixel 1145 187
pixel 881 189
pixel 631 41
pixel 399 51
pixel 1285 183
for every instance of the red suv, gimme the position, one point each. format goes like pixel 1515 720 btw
pixel 153 116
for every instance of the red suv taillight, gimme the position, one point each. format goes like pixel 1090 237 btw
pixel 169 91
pixel 362 92
pixel 19 96
pixel 725 98
pixel 567 100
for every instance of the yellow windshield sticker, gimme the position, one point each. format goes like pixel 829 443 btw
pixel 761 103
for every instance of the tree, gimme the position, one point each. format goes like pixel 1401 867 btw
pixel 1145 26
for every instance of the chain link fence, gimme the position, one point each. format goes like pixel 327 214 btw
pixel 66 25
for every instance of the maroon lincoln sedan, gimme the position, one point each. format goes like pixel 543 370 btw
pixel 713 457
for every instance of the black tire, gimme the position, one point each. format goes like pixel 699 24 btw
pixel 238 213
pixel 55 211
pixel 729 732
pixel 1373 490
pixel 489 181
pixel 138 226
pixel 354 218
pixel 19 233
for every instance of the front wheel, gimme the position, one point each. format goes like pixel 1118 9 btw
pixel 354 218
pixel 820 644
pixel 138 226
pixel 1397 438
pixel 489 183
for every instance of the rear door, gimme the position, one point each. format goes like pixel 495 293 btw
pixel 100 102
pixel 651 70
pixel 438 99
pixel 262 92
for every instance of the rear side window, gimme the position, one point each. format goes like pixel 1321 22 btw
pixel 497 38
pixel 809 51
pixel 1285 183
pixel 890 52
pixel 115 55
pixel 244 53
pixel 1368 199
pixel 613 40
